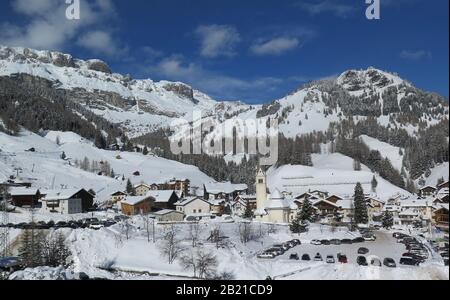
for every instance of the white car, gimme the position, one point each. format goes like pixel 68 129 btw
pixel 375 262
pixel 330 259
pixel 266 256
pixel 96 226
pixel 370 238
pixel 316 242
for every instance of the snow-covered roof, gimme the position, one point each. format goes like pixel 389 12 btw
pixel 23 191
pixel 186 201
pixel 325 201
pixel 442 206
pixel 161 196
pixel 345 204
pixel 415 203
pixel 217 202
pixel 166 212
pixel 277 201
pixel 428 187
pixel 52 195
pixel 224 187
pixel 247 197
pixel 133 200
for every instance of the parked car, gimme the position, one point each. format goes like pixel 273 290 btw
pixel 316 242
pixel 330 259
pixel 342 258
pixel 362 261
pixel 347 241
pixel 325 242
pixel 335 242
pixel 96 226
pixel 276 251
pixel 358 240
pixel 318 257
pixel 266 255
pixel 297 242
pixel 399 235
pixel 294 256
pixel 414 256
pixel 409 261
pixel 285 247
pixel 375 262
pixel 369 238
pixel 389 262
pixel 363 250
pixel 306 257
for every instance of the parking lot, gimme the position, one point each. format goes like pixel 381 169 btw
pixel 385 246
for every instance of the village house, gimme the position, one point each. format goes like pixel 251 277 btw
pixel 441 217
pixel 168 215
pixel 193 206
pixel 442 195
pixel 346 210
pixel 163 199
pixel 443 185
pixel 239 205
pixel 375 208
pixel 136 205
pixel 415 211
pixel 22 196
pixel 427 191
pixel 142 189
pixel 223 190
pixel 182 185
pixel 117 197
pixel 69 201
pixel 326 208
pixel 218 206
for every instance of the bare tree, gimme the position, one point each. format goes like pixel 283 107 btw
pixel 189 261
pixel 126 228
pixel 194 233
pixel 149 227
pixel 246 232
pixel 171 246
pixel 271 229
pixel 206 264
pixel 216 235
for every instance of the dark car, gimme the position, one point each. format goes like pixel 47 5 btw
pixel 325 242
pixel 363 250
pixel 399 235
pixel 346 241
pixel 342 258
pixel 358 240
pixel 389 262
pixel 362 261
pixel 409 261
pixel 296 242
pixel 294 256
pixel 414 256
pixel 335 242
pixel 306 257
pixel 61 224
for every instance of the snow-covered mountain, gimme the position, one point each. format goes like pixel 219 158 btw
pixel 141 106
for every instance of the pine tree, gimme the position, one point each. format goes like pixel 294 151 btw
pixel 387 220
pixel 248 213
pixel 307 211
pixel 374 184
pixel 113 174
pixel 361 213
pixel 130 188
pixel 145 151
pixel 296 224
pixel 63 155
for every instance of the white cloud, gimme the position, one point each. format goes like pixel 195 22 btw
pixel 415 55
pixel 327 6
pixel 276 46
pixel 217 40
pixel 218 85
pixel 99 42
pixel 47 26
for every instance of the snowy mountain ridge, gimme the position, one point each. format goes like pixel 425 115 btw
pixel 142 106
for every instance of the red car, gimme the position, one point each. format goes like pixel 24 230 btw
pixel 342 258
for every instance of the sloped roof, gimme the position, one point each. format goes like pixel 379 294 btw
pixel 23 191
pixel 52 195
pixel 224 187
pixel 186 201
pixel 133 200
pixel 162 196
pixel 277 201
pixel 166 212
pixel 415 203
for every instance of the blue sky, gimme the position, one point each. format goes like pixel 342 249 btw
pixel 252 50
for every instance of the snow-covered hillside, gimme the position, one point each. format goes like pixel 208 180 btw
pixel 332 173
pixel 386 151
pixel 45 168
pixel 438 172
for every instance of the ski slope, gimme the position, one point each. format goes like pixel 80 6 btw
pixel 386 150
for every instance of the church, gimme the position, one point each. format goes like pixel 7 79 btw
pixel 274 207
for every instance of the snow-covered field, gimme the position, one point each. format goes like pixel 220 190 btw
pixel 386 150
pixel 108 254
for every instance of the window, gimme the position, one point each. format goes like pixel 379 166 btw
pixel 260 180
pixel 199 211
pixel 195 211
